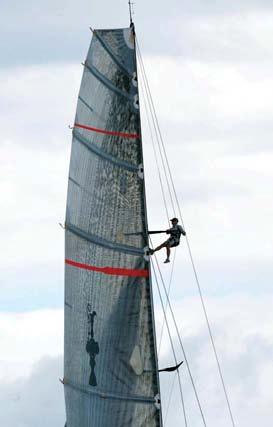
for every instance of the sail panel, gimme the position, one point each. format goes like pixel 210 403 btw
pixel 110 367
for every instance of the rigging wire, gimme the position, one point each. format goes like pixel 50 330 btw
pixel 147 91
pixel 151 103
pixel 166 303
pixel 172 346
pixel 154 123
pixel 169 401
pixel 180 342
pixel 164 201
pixel 156 158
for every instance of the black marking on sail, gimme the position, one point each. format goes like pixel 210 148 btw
pixel 92 347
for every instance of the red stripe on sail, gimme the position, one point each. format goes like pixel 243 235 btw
pixel 115 271
pixel 108 132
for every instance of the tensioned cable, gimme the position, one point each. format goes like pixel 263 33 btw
pixel 172 346
pixel 156 159
pixel 164 200
pixel 180 341
pixel 169 401
pixel 154 124
pixel 166 304
pixel 188 244
pixel 167 298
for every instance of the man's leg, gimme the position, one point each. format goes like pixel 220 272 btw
pixel 163 245
pixel 168 250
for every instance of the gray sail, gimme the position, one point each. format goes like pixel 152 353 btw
pixel 110 362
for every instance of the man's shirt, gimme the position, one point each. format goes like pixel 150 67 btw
pixel 175 231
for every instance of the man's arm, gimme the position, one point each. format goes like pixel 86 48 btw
pixel 182 230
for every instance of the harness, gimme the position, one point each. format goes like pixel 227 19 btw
pixel 175 233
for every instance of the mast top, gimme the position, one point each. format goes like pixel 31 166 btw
pixel 130 11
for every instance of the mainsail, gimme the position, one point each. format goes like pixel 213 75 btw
pixel 110 361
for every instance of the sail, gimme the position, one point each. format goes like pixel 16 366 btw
pixel 110 362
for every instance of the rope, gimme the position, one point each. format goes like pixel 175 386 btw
pixel 188 245
pixel 165 205
pixel 167 293
pixel 166 304
pixel 169 401
pixel 156 159
pixel 180 342
pixel 171 342
pixel 154 123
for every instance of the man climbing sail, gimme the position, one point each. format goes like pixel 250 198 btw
pixel 175 231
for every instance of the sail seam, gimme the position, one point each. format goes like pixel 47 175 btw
pixel 107 82
pixel 112 271
pixel 103 395
pixel 103 242
pixel 91 147
pixel 110 53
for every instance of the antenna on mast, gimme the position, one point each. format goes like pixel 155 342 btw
pixel 130 11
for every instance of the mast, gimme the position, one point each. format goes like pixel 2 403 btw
pixel 151 311
pixel 110 361
pixel 130 11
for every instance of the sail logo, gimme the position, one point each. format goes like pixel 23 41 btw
pixel 92 347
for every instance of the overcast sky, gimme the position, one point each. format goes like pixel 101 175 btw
pixel 210 68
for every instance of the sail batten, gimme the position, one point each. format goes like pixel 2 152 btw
pixel 104 155
pixel 106 395
pixel 105 81
pixel 108 50
pixel 110 362
pixel 97 240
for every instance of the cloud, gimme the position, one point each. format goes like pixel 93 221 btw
pixel 26 338
pixel 219 179
pixel 36 400
pixel 239 35
pixel 241 327
pixel 59 32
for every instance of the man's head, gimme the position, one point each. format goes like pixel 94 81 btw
pixel 174 221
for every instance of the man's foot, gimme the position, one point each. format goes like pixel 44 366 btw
pixel 166 261
pixel 151 251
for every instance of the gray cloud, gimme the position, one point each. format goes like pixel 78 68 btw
pixel 245 350
pixel 242 330
pixel 48 32
pixel 36 401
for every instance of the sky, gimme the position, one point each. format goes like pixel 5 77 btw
pixel 210 68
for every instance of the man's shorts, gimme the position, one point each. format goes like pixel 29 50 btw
pixel 172 242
